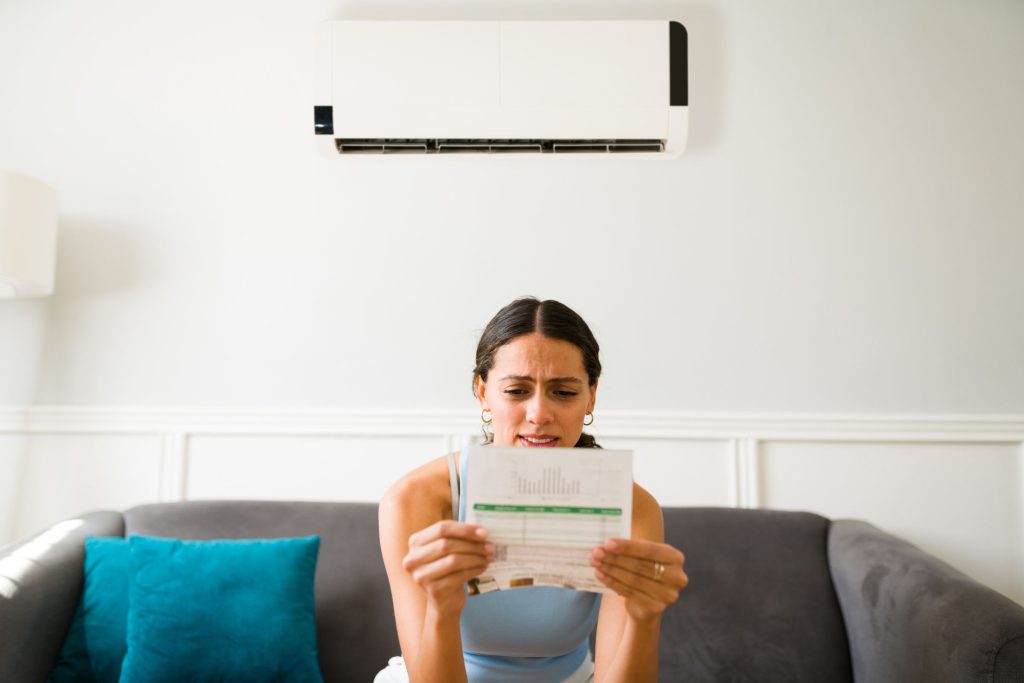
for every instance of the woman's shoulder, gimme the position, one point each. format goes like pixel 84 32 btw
pixel 647 517
pixel 425 490
pixel 643 498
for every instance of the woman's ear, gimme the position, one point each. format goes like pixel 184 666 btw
pixel 593 398
pixel 479 388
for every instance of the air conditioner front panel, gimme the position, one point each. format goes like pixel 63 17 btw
pixel 500 79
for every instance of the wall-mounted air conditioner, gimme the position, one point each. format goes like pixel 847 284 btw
pixel 446 87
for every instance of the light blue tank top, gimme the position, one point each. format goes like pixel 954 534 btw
pixel 538 633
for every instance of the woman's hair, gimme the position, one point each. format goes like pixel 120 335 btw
pixel 549 318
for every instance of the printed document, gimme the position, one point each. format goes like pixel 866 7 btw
pixel 546 510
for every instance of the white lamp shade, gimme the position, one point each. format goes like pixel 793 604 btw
pixel 28 236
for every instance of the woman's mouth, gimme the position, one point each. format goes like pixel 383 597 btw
pixel 538 441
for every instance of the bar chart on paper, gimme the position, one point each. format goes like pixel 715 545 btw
pixel 551 482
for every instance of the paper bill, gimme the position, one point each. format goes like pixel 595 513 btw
pixel 546 509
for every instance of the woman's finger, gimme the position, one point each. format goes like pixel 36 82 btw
pixel 644 550
pixel 448 528
pixel 438 548
pixel 662 593
pixel 448 566
pixel 670 574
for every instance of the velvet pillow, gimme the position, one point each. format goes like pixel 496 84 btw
pixel 222 611
pixel 95 644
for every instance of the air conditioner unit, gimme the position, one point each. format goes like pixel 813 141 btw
pixel 548 87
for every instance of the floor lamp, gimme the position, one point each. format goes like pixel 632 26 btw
pixel 28 255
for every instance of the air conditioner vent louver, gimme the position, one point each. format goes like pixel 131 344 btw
pixel 462 146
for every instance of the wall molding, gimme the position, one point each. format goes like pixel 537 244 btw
pixel 742 433
pixel 200 421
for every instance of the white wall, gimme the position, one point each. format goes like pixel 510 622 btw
pixel 843 236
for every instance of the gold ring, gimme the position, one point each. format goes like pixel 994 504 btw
pixel 659 569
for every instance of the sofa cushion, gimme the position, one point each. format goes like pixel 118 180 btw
pixel 95 644
pixel 355 622
pixel 222 610
pixel 760 605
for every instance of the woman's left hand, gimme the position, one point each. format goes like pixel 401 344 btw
pixel 647 575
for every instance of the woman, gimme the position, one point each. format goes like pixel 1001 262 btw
pixel 536 378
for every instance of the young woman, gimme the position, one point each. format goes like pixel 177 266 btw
pixel 536 378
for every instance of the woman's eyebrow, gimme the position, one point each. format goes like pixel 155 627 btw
pixel 553 380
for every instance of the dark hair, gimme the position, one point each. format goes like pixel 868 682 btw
pixel 551 319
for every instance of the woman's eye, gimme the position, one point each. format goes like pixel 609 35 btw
pixel 515 392
pixel 565 394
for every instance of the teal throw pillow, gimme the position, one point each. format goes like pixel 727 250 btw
pixel 95 644
pixel 222 611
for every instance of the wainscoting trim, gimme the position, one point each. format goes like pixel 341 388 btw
pixel 195 421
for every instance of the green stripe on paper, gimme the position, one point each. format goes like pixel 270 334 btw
pixel 559 509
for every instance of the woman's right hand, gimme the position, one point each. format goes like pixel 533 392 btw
pixel 443 557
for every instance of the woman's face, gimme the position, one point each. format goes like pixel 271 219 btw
pixel 538 393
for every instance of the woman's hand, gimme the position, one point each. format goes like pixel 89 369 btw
pixel 647 575
pixel 443 557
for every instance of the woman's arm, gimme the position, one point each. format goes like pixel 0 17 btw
pixel 428 560
pixel 629 624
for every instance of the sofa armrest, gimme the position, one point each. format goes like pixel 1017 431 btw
pixel 40 581
pixel 912 617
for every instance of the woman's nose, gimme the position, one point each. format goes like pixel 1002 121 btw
pixel 539 412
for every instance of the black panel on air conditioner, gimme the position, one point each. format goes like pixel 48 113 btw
pixel 323 120
pixel 679 87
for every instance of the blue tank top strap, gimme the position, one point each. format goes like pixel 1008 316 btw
pixel 463 469
pixel 453 480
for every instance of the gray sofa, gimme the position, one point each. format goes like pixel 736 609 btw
pixel 773 596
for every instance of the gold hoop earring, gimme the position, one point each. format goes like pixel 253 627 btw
pixel 489 418
pixel 585 423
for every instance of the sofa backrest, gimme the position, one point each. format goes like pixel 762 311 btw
pixel 355 623
pixel 760 604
